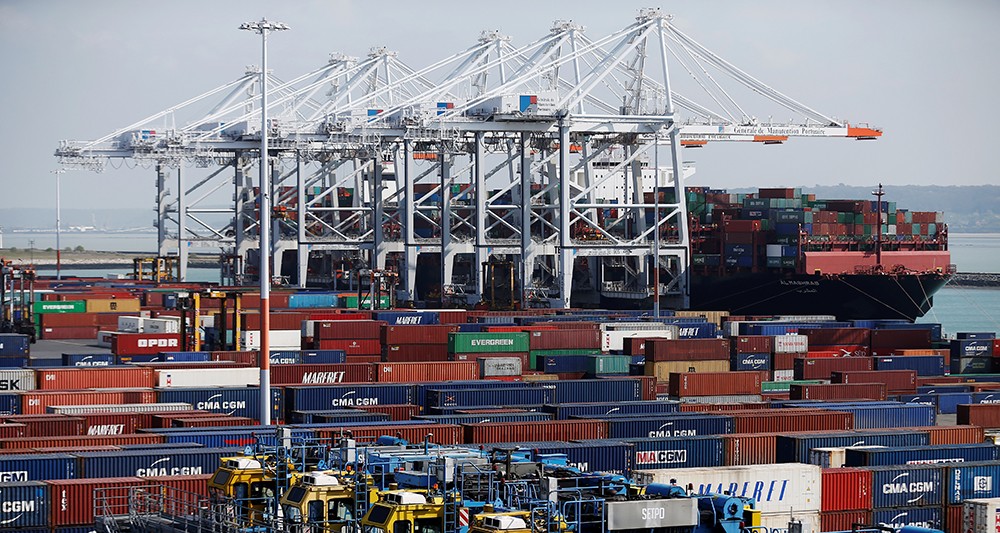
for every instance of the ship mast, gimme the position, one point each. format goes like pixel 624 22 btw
pixel 878 236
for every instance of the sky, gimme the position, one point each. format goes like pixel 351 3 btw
pixel 924 71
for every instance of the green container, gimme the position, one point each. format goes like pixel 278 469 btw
pixel 608 364
pixel 351 302
pixel 785 386
pixel 859 218
pixel 498 342
pixel 71 306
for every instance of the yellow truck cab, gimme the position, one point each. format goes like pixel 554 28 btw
pixel 405 511
pixel 246 488
pixel 325 501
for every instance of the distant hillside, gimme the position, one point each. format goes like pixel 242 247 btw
pixel 972 209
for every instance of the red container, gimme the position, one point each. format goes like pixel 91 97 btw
pixel 409 353
pixel 110 423
pixel 36 402
pixel 76 497
pixel 790 420
pixel 565 339
pixel 322 373
pixel 166 420
pixel 839 350
pixel 784 361
pixel 572 325
pixel 187 485
pixel 396 412
pixel 68 320
pixel 896 381
pixel 444 434
pixel 75 332
pixel 433 334
pixel 749 449
pixel 845 520
pixel 839 391
pixel 422 372
pixel 634 346
pixel 538 431
pixel 887 341
pixel 686 349
pixel 353 347
pixel 823 367
pixel 952 434
pixel 285 320
pixel 720 407
pixel 683 384
pixel 752 344
pixel 144 343
pixel 453 316
pixel 327 330
pixel 49 425
pixel 952 518
pixel 937 380
pixel 213 421
pixel 829 336
pixel 10 430
pixel 81 440
pixel 248 357
pixel 985 415
pixel 996 347
pixel 354 358
pixel 647 385
pixel 75 378
pixel 846 489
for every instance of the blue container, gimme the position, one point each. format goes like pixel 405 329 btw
pixel 408 318
pixel 140 358
pixel 926 517
pixel 233 401
pixel 935 329
pixel 334 396
pixel 88 359
pixel 14 344
pixel 10 404
pixel 557 364
pixel 940 389
pixel 739 261
pixel 344 418
pixel 324 357
pixel 614 457
pixel 470 328
pixel 948 403
pixel 152 463
pixel 668 426
pixel 601 409
pixel 483 397
pixel 158 446
pixel 420 389
pixel 45 363
pixel 228 439
pixel 37 467
pixel 972 348
pixel 305 300
pixel 736 250
pixel 966 336
pixel 352 415
pixel 701 330
pixel 922 399
pixel 13 362
pixel 941 453
pixel 791 448
pixel 686 452
pixel 887 415
pixel 986 397
pixel 907 486
pixel 24 505
pixel 186 357
pixel 604 390
pixel 285 357
pixel 925 365
pixel 487 417
pixel 970 481
pixel 750 361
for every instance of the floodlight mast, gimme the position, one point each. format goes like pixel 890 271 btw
pixel 264 273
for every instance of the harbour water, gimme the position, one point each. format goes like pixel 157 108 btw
pixel 957 308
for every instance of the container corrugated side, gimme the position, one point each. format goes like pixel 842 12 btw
pixel 952 434
pixel 527 395
pixel 487 342
pixel 909 455
pixel 144 463
pixel 426 371
pixel 17 379
pixel 794 448
pixel 486 418
pixel 972 480
pixel 76 498
pixel 922 517
pixel 846 489
pixel 25 504
pixel 681 452
pixel 236 401
pixel 78 441
pixel 843 520
pixel 907 486
pixel 778 488
pixel 322 373
pixel 749 449
pixel 591 456
pixel 444 434
pixel 563 411
pixel 982 514
pixel 16 468
pixel 194 484
pixel 395 412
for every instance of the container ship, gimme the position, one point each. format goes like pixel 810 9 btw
pixel 778 251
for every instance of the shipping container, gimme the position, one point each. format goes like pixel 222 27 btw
pixel 986 415
pixel 749 449
pixel 783 488
pixel 596 410
pixel 236 401
pixel 38 402
pixel 778 420
pixel 685 452
pixel 76 498
pixel 526 395
pixel 740 362
pixel 794 448
pixel 22 443
pixel 437 334
pixel 896 381
pixel 94 378
pixel 608 456
pixel 322 373
pixel 687 350
pixel 395 412
pixel 417 372
pixel 843 520
pixel 48 425
pixel 952 434
pixel 92 359
pixel 979 515
pixel 499 367
pixel 667 425
pixel 603 390
pixel 144 463
pixel 838 391
pixel 846 489
pixel 907 486
pixel 920 455
pixel 444 434
pixel 17 380
pixel 883 415
pixel 972 480
pixel 686 384
pixel 662 370
pixel 823 367
pixel 25 504
pixel 924 365
pixel 917 517
pixel 487 342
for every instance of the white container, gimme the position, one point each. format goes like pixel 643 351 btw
pixel 207 377
pixel 615 339
pixel 206 321
pixel 791 343
pixel 783 375
pixel 499 366
pixel 104 338
pixel 778 488
pixel 162 325
pixel 981 515
pixel 779 521
pixel 130 324
pixel 15 379
pixel 773 250
pixel 120 408
pixel 280 339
